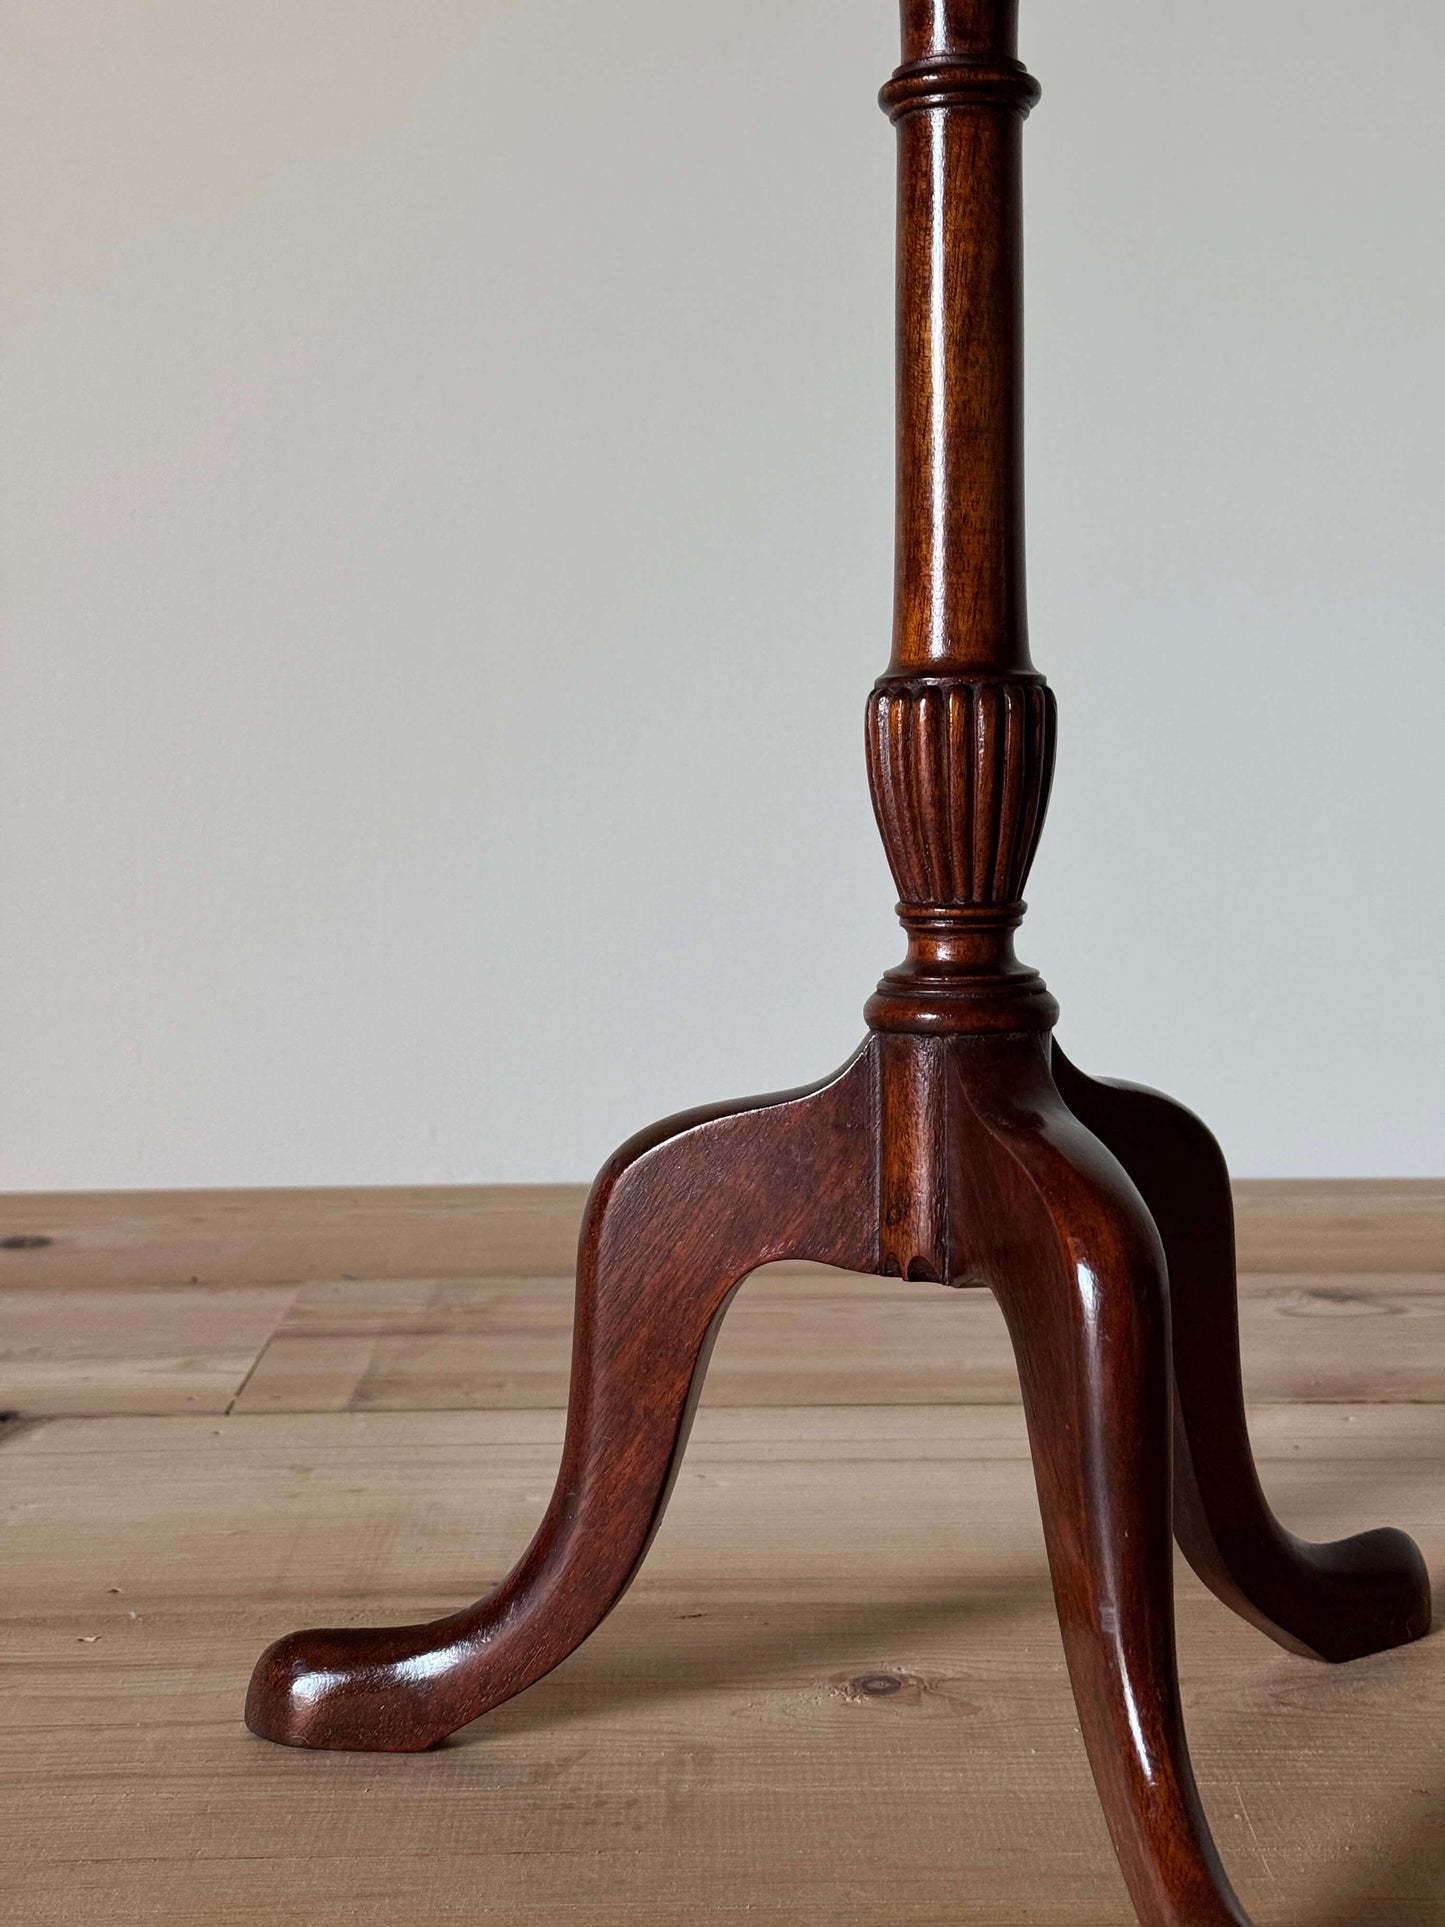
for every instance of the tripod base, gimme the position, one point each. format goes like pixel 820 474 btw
pixel 975 1160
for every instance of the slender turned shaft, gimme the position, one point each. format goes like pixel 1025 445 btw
pixel 960 728
pixel 958 101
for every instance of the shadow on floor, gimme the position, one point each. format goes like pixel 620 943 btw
pixel 796 1642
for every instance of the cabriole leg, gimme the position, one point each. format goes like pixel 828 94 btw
pixel 680 1215
pixel 1335 1601
pixel 1061 1235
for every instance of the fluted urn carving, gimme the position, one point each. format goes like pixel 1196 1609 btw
pixel 960 774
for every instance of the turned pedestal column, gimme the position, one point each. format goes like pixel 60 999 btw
pixel 958 1144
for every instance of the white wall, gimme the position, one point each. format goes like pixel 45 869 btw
pixel 448 450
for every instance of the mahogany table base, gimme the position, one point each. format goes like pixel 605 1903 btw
pixel 959 1144
pixel 1100 1215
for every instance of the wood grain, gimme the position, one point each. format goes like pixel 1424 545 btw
pixel 89 1350
pixel 155 1239
pixel 831 1338
pixel 793 1337
pixel 835 1694
pixel 273 1237
pixel 1340 1224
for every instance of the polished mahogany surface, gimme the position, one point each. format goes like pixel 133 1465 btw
pixel 958 1145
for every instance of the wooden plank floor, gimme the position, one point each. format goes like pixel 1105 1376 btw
pixel 835 1694
pixel 792 1337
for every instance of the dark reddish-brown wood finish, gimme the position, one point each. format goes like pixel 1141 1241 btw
pixel 1336 1601
pixel 958 1145
pixel 676 1220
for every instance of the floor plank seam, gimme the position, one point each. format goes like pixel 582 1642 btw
pixel 250 1374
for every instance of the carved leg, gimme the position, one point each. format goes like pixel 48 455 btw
pixel 1335 1601
pixel 675 1221
pixel 1059 1232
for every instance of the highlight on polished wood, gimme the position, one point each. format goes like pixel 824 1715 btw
pixel 957 1146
